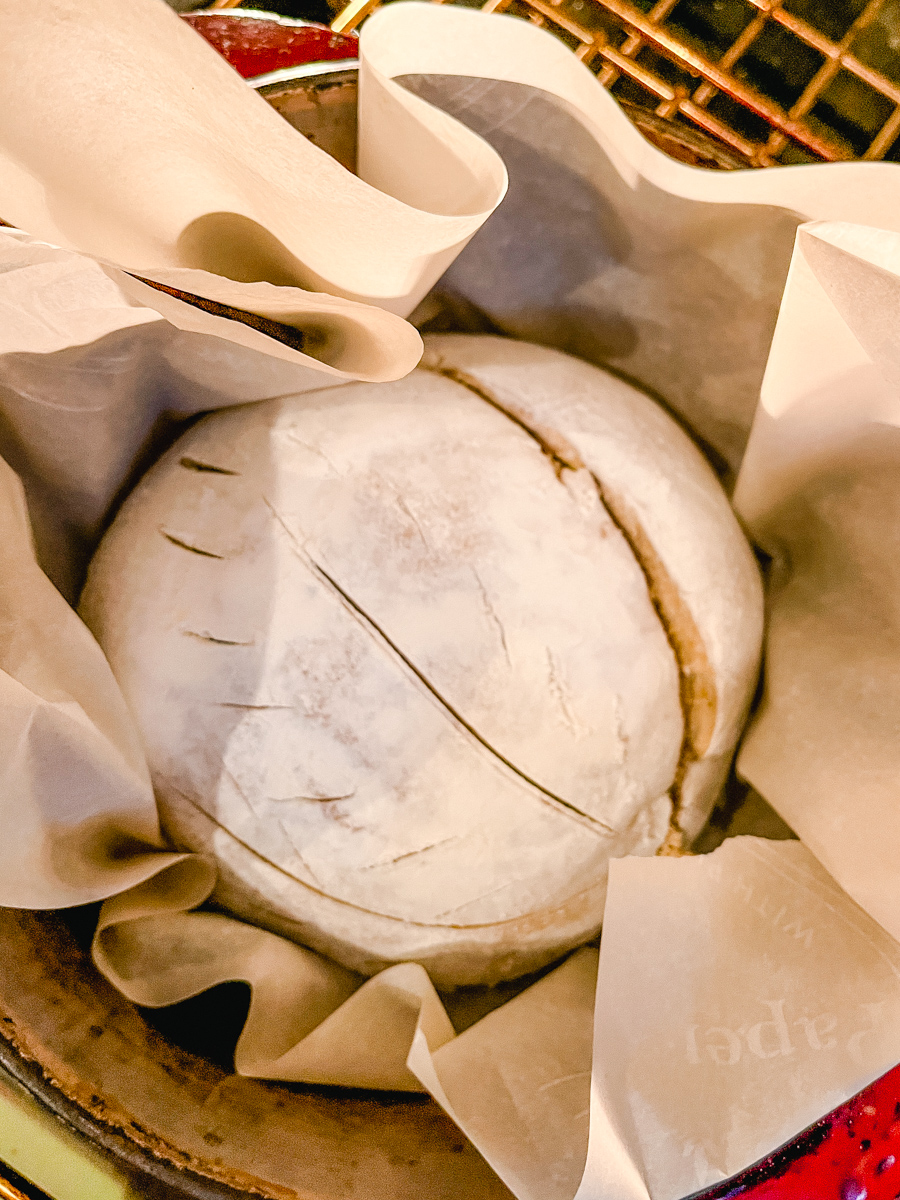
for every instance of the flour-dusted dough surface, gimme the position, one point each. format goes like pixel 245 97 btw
pixel 664 495
pixel 398 668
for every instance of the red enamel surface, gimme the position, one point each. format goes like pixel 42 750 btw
pixel 852 1154
pixel 257 46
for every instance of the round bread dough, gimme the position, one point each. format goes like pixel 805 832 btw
pixel 412 661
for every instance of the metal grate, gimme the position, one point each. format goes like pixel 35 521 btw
pixel 778 81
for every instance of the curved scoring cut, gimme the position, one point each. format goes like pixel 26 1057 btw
pixel 398 668
pixel 698 683
pixel 663 496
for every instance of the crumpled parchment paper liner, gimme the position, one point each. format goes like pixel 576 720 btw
pixel 741 995
pixel 517 1081
pixel 197 170
pixel 820 489
pixel 79 815
pixel 96 367
pixel 670 273
pixel 721 1029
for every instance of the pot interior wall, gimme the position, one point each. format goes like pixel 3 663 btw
pixel 189 1123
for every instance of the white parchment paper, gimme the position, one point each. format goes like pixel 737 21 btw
pixel 670 273
pixel 196 170
pixel 820 489
pixel 741 996
pixel 98 368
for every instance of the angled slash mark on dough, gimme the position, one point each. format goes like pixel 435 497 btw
pixel 491 612
pixel 299 853
pixel 402 504
pixel 251 707
pixel 468 903
pixel 340 817
pixel 209 637
pixel 389 862
pixel 237 787
pixel 375 631
pixel 313 799
pixel 295 437
pixel 194 464
pixel 177 541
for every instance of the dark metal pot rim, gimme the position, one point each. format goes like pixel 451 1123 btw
pixel 134 1161
pixel 314 70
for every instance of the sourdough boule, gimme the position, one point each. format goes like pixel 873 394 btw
pixel 412 661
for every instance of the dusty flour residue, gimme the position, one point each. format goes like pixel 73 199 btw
pixel 377 634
